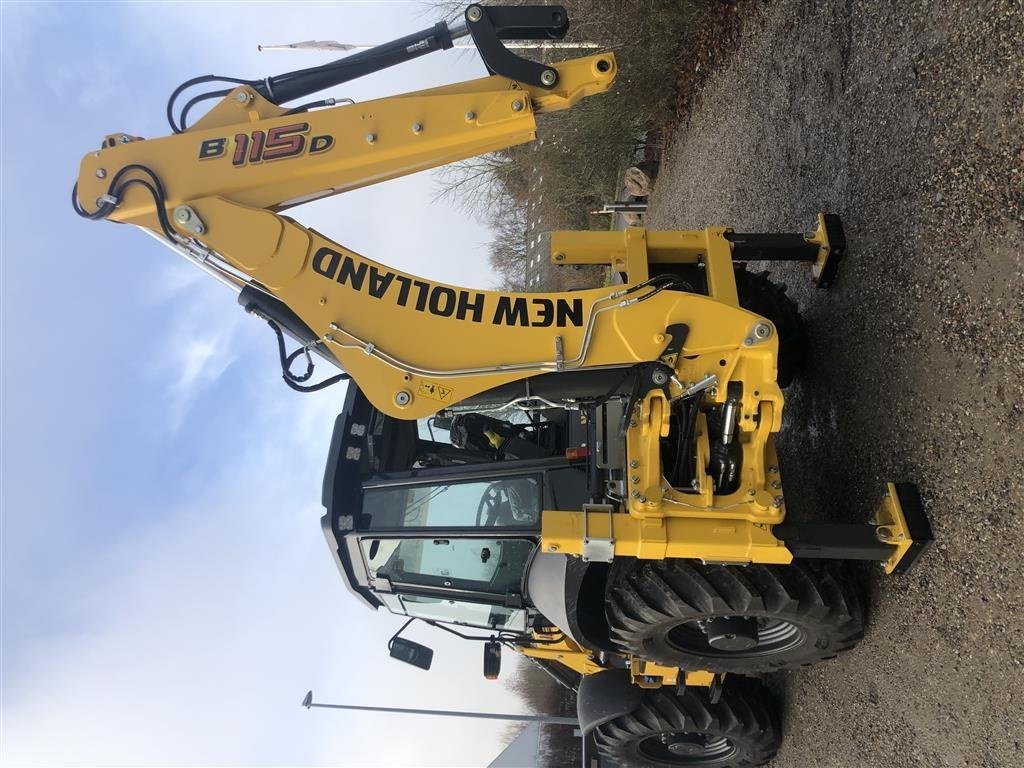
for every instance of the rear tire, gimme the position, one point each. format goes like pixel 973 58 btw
pixel 760 295
pixel 797 614
pixel 686 729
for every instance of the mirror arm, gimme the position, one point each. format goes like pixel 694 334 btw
pixel 501 637
pixel 401 629
pixel 456 632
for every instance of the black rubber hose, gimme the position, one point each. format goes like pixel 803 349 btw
pixel 291 379
pixel 115 188
pixel 197 81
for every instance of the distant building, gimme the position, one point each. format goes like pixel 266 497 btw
pixel 538 250
pixel 524 751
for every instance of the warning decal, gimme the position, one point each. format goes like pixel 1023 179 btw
pixel 435 391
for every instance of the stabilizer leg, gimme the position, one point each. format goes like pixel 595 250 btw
pixel 902 522
pixel 895 537
pixel 824 248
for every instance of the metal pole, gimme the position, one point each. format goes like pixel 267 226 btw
pixel 546 719
pixel 334 45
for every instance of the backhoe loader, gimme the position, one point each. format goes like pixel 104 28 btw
pixel 588 478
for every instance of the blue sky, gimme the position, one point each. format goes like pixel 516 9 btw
pixel 167 594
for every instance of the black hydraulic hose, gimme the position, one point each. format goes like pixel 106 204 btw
pixel 686 456
pixel 100 213
pixel 196 100
pixel 292 358
pixel 175 126
pixel 291 379
pixel 302 82
pixel 115 190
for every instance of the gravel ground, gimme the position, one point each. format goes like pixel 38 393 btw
pixel 907 119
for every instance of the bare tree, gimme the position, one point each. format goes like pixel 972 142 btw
pixel 539 692
pixel 446 10
pixel 558 746
pixel 507 252
pixel 480 185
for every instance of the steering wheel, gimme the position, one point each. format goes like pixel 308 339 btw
pixel 491 498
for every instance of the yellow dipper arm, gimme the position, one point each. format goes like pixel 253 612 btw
pixel 253 153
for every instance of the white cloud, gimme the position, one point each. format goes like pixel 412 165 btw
pixel 195 358
pixel 201 340
pixel 191 640
pixel 93 82
pixel 198 632
pixel 198 353
pixel 202 632
pixel 172 278
pixel 21 24
pixel 201 336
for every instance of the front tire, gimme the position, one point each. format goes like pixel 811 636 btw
pixel 687 729
pixel 724 618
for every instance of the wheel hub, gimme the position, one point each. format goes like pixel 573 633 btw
pixel 679 748
pixel 685 744
pixel 731 633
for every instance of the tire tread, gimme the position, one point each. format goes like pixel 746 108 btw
pixel 745 714
pixel 647 600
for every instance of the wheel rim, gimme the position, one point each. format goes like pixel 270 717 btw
pixel 774 636
pixel 677 748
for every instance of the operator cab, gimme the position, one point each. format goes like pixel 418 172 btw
pixel 439 519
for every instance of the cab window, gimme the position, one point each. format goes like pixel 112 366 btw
pixel 512 502
pixel 493 566
pixel 495 617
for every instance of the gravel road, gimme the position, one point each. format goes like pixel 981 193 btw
pixel 908 120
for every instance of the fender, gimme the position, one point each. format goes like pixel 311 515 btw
pixel 569 592
pixel 604 696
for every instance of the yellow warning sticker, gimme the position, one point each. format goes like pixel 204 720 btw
pixel 435 391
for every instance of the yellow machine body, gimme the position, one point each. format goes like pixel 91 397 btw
pixel 417 346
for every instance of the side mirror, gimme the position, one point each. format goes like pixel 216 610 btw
pixel 492 659
pixel 411 653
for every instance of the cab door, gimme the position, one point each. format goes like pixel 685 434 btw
pixel 465 567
